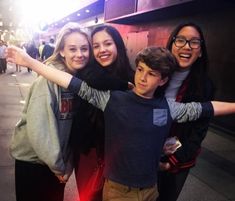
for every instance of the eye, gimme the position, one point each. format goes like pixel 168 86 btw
pixel 108 43
pixel 154 74
pixel 138 68
pixel 95 46
pixel 195 41
pixel 84 49
pixel 73 49
pixel 180 40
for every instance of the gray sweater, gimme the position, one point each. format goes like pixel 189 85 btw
pixel 42 134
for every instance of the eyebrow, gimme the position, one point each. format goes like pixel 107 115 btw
pixel 151 70
pixel 74 45
pixel 107 40
pixel 198 38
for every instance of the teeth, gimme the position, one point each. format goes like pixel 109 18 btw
pixel 104 56
pixel 185 55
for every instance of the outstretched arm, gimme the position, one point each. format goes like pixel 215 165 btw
pixel 18 56
pixel 223 108
pixel 183 112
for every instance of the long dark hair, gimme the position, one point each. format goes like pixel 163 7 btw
pixel 198 72
pixel 121 67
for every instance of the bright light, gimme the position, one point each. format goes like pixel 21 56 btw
pixel 47 11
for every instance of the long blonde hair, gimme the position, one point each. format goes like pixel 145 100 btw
pixel 66 30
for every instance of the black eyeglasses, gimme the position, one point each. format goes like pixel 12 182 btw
pixel 181 42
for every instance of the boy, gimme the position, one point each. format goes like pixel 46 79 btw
pixel 136 123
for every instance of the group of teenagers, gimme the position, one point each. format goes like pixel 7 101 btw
pixel 89 109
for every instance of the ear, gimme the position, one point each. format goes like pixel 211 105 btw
pixel 163 81
pixel 62 54
pixel 200 55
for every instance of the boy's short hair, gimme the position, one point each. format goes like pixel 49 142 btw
pixel 158 58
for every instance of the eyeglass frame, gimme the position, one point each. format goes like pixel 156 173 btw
pixel 187 41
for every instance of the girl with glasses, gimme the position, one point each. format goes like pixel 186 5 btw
pixel 189 83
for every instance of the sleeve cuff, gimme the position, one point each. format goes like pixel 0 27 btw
pixel 207 109
pixel 74 85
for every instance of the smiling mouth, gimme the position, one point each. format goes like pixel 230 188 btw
pixel 185 56
pixel 141 85
pixel 104 58
pixel 79 62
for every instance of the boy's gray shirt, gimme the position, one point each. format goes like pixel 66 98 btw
pixel 180 112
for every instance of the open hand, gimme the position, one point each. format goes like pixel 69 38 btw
pixel 17 55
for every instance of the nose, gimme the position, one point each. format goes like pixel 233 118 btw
pixel 79 53
pixel 102 48
pixel 187 45
pixel 143 77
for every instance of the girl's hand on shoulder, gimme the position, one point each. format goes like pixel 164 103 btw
pixel 130 85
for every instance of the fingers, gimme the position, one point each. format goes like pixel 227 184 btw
pixel 9 54
pixel 10 60
pixel 66 177
pixel 164 166
pixel 171 145
pixel 130 85
pixel 62 179
pixel 170 149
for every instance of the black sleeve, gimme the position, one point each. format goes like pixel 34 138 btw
pixel 101 80
pixel 193 135
pixel 82 131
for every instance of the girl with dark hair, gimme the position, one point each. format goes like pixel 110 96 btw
pixel 110 52
pixel 111 58
pixel 189 83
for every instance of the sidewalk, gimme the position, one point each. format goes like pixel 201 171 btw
pixel 213 179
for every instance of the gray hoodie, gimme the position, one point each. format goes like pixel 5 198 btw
pixel 42 134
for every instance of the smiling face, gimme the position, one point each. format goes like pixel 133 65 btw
pixel 147 80
pixel 75 52
pixel 104 48
pixel 186 56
